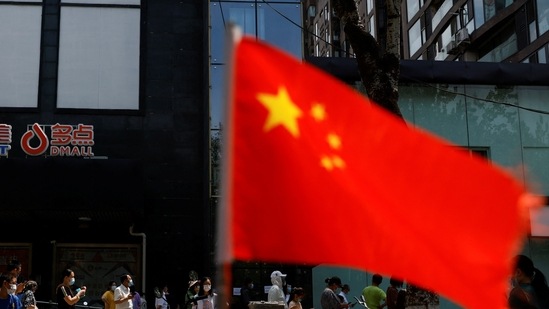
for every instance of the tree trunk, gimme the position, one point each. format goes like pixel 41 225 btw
pixel 379 71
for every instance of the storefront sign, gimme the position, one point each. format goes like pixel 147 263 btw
pixel 58 140
pixel 5 139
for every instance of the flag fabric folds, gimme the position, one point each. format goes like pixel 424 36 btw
pixel 315 173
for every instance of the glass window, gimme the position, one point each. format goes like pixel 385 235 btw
pixel 534 126
pixel 492 7
pixel 489 9
pixel 277 23
pixel 217 97
pixel 413 8
pixel 441 12
pixel 414 37
pixel 103 43
pixel 437 108
pixel 543 15
pixel 542 55
pixel 495 125
pixel 479 13
pixel 20 31
pixel 501 46
pixel 535 159
pixel 532 31
pixel 447 37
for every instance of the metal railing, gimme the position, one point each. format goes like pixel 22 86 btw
pixel 53 305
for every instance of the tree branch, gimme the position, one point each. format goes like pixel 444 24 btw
pixel 379 73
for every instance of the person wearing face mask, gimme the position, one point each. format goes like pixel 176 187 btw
pixel 66 299
pixel 8 286
pixel 122 294
pixel 108 295
pixel 329 298
pixel 206 295
pixel 296 296
pixel 15 267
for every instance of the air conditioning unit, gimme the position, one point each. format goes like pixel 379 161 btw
pixel 451 48
pixel 462 37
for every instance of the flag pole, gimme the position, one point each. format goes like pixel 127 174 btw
pixel 224 254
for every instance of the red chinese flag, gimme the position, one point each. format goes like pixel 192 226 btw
pixel 315 173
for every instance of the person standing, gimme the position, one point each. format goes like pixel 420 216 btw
pixel 393 291
pixel 122 295
pixel 276 292
pixel 8 300
pixel 65 296
pixel 246 293
pixel 136 300
pixel 15 268
pixel 206 294
pixel 329 298
pixel 108 295
pixel 27 299
pixel 296 296
pixel 345 289
pixel 162 301
pixel 373 295
pixel 192 293
pixel 530 288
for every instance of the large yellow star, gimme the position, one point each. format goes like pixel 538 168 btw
pixel 282 111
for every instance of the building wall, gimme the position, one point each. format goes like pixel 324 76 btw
pixel 145 61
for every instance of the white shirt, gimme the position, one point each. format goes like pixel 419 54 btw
pixel 277 295
pixel 122 292
pixel 345 301
pixel 207 303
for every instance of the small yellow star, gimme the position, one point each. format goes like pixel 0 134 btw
pixel 326 163
pixel 334 141
pixel 331 163
pixel 282 111
pixel 318 112
pixel 338 162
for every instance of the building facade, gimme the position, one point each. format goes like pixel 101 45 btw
pixel 476 30
pixel 104 138
pixel 463 30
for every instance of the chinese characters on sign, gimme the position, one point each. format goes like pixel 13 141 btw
pixel 5 139
pixel 58 140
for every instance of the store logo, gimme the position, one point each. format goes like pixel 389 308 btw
pixel 43 142
pixel 64 140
